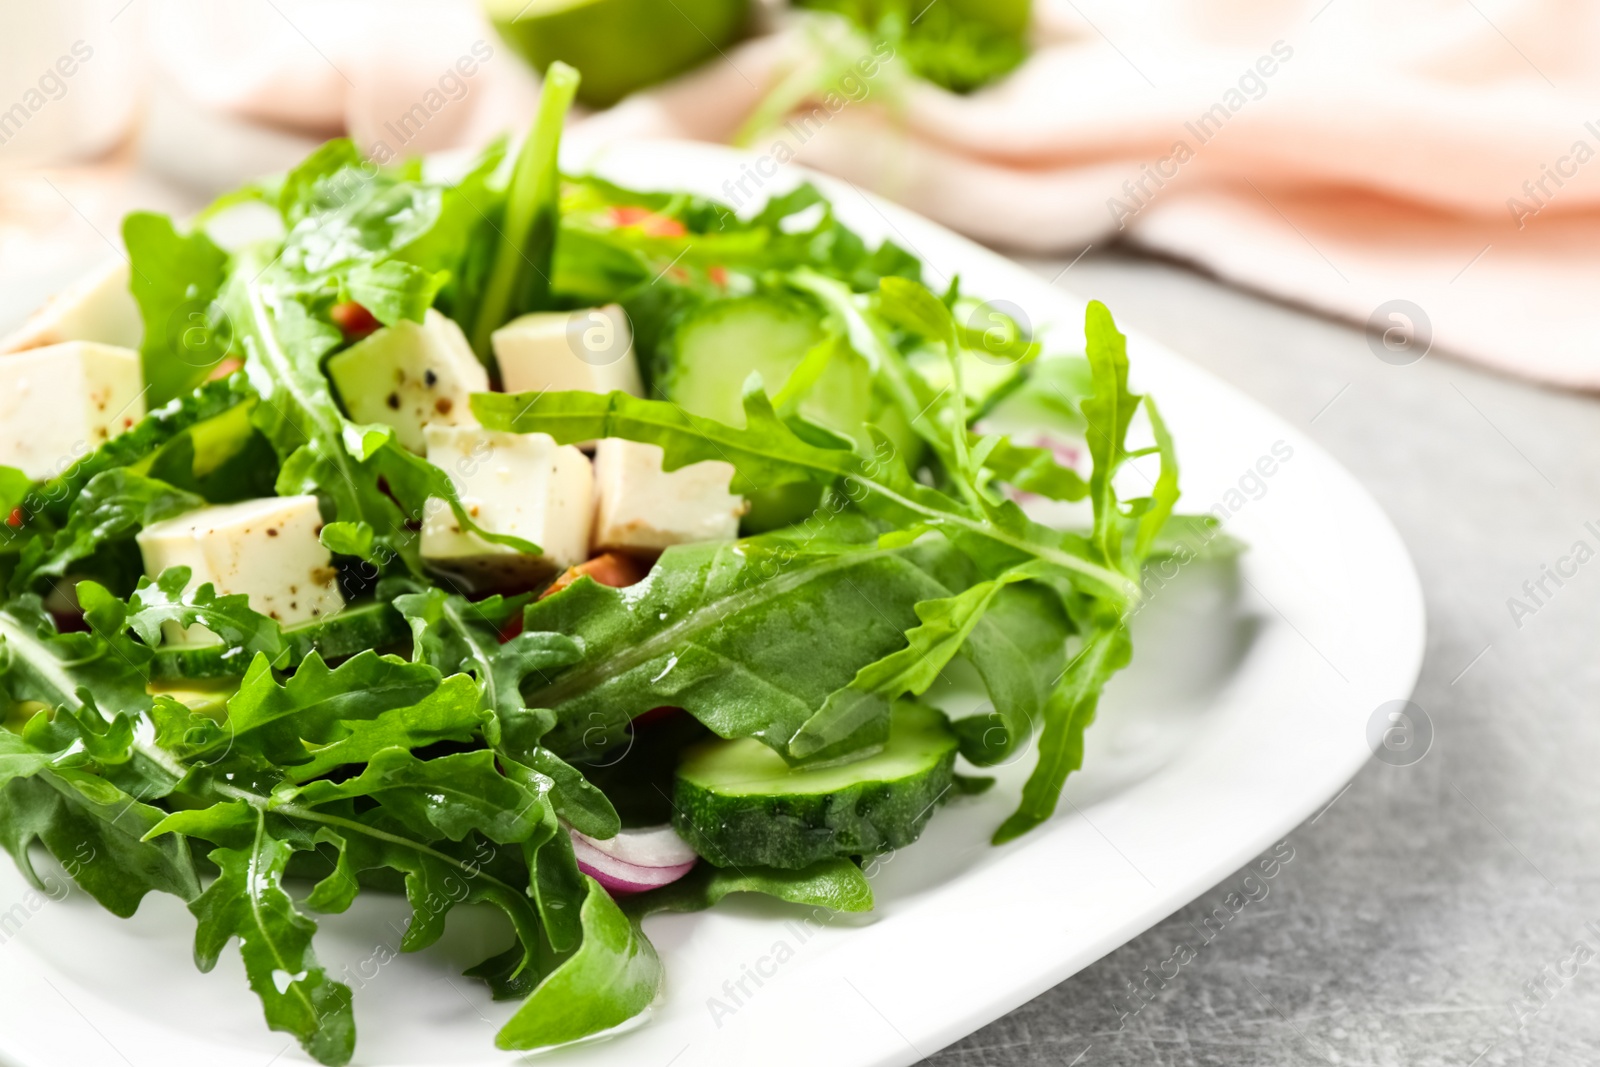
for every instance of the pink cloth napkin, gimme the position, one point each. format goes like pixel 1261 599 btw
pixel 1341 154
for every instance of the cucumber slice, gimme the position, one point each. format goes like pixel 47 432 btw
pixel 353 630
pixel 738 803
pixel 712 352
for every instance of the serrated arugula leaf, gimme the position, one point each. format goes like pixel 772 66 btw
pixel 766 452
pixel 248 901
pixel 96 831
pixel 613 976
pixel 175 281
pixel 112 507
pixel 1109 411
pixel 393 290
pixel 38 663
pixel 862 707
pixel 455 634
pixel 437 874
pixel 1121 538
pixel 576 799
pixel 294 722
pixel 18 759
pixel 734 634
pixel 1069 712
pixel 199 425
pixel 836 884
pixel 348 539
pixel 1164 493
pixel 452 712
pixel 1035 470
pixel 1019 651
pixel 245 632
pixel 448 796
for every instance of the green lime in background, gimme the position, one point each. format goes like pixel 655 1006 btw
pixel 618 45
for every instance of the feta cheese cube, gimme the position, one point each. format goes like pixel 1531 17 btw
pixel 640 506
pixel 410 375
pixel 61 402
pixel 589 350
pixel 265 549
pixel 97 307
pixel 524 485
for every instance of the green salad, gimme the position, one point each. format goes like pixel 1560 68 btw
pixel 524 540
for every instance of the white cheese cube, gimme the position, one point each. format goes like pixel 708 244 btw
pixel 590 350
pixel 640 506
pixel 524 485
pixel 410 375
pixel 97 307
pixel 59 403
pixel 265 549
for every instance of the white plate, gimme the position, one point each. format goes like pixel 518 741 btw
pixel 1235 723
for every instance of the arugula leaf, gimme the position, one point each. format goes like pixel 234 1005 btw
pixel 115 505
pixel 198 424
pixel 946 626
pixel 1109 411
pixel 175 281
pixel 764 454
pixel 731 633
pixel 519 277
pixel 613 976
pixel 96 831
pixel 247 633
pixel 450 713
pixel 1019 651
pixel 1070 711
pixel 456 634
pixel 290 723
pixel 836 884
pixel 449 796
pixel 38 663
pixel 958 46
pixel 56 788
pixel 393 290
pixel 18 759
pixel 1121 538
pixel 437 876
pixel 348 539
pixel 1034 470
pixel 248 901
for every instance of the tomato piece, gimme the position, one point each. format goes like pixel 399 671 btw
pixel 224 368
pixel 353 320
pixel 666 711
pixel 512 628
pixel 652 224
pixel 608 568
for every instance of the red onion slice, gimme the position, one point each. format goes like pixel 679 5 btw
pixel 635 860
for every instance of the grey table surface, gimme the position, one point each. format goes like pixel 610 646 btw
pixel 1436 913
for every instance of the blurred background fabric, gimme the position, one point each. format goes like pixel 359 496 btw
pixel 1365 159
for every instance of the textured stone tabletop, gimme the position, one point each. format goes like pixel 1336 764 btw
pixel 1438 913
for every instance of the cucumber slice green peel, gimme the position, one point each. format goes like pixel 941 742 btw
pixel 738 803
